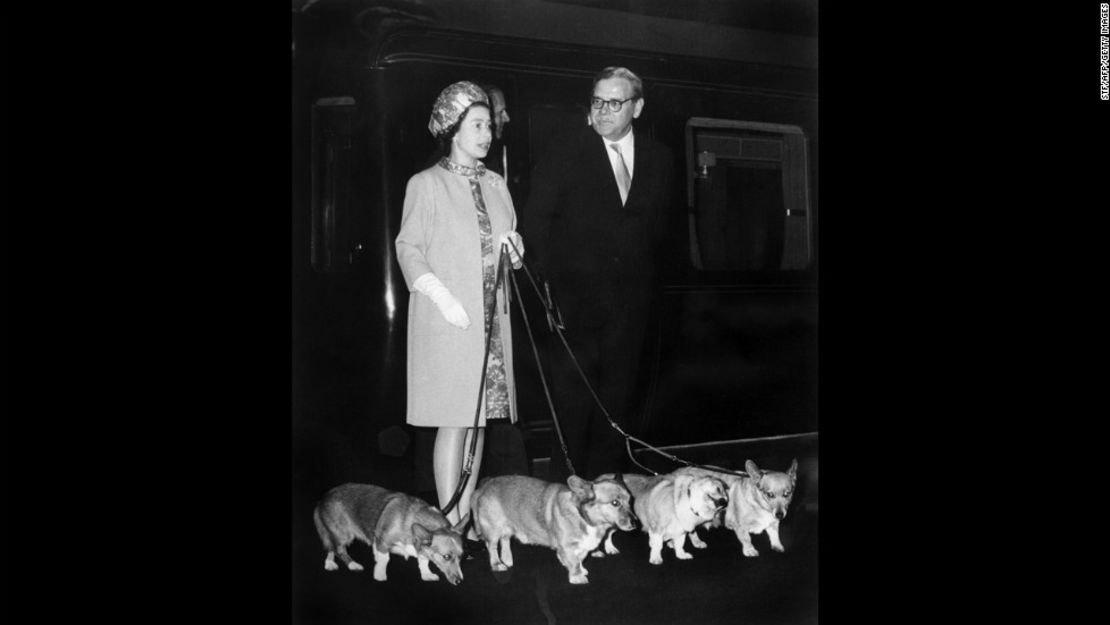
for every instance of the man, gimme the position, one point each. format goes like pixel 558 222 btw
pixel 593 221
pixel 500 113
pixel 497 159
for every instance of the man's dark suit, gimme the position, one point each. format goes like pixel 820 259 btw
pixel 600 258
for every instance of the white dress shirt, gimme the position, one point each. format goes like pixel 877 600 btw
pixel 627 145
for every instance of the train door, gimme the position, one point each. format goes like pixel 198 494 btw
pixel 748 195
pixel 736 342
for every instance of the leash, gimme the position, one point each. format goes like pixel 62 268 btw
pixel 469 466
pixel 539 367
pixel 555 322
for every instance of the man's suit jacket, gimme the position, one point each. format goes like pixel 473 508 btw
pixel 577 234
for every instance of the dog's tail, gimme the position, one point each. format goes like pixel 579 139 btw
pixel 464 523
pixel 322 530
pixel 468 527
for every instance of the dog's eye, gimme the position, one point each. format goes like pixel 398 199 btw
pixel 447 556
pixel 769 495
pixel 617 503
pixel 785 493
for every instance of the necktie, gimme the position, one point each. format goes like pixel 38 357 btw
pixel 624 180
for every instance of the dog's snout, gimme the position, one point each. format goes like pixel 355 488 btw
pixel 721 503
pixel 780 514
pixel 628 521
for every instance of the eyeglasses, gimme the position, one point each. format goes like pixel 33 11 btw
pixel 614 105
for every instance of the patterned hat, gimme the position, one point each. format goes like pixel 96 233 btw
pixel 451 104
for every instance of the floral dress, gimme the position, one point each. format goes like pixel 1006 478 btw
pixel 496 386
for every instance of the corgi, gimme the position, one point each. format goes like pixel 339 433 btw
pixel 571 518
pixel 758 503
pixel 671 507
pixel 390 522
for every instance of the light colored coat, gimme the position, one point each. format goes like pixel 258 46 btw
pixel 439 234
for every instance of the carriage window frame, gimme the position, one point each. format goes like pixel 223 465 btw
pixel 332 239
pixel 751 145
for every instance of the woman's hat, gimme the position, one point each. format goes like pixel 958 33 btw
pixel 452 103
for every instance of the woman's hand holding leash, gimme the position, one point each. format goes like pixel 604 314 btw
pixel 516 247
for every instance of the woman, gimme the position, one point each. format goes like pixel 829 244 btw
pixel 457 216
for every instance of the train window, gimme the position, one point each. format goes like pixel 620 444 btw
pixel 332 123
pixel 748 195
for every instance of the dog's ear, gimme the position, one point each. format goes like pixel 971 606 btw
pixel 682 484
pixel 793 472
pixel 753 470
pixel 422 534
pixel 583 490
pixel 612 477
pixel 460 527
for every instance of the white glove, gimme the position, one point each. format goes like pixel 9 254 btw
pixel 510 239
pixel 449 307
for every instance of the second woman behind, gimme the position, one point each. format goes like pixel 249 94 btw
pixel 456 217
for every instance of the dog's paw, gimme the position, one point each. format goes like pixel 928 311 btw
pixel 379 577
pixel 682 555
pixel 500 566
pixel 655 560
pixel 597 554
pixel 750 552
pixel 696 542
pixel 330 565
pixel 579 579
pixel 429 577
pixel 354 566
pixel 778 548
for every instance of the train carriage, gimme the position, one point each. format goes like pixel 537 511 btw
pixel 733 344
